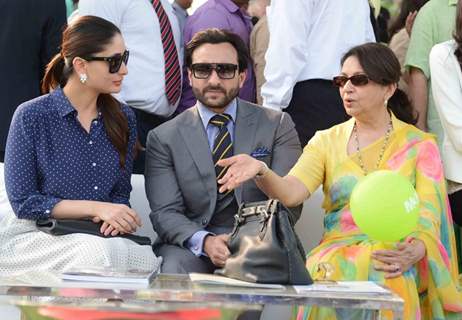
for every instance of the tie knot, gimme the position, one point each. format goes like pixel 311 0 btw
pixel 220 120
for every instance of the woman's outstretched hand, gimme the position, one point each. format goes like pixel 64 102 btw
pixel 241 168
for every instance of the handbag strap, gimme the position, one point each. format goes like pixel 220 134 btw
pixel 264 209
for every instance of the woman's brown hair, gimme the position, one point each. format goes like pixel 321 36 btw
pixel 85 37
pixel 381 66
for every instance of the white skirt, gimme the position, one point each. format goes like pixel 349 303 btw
pixel 23 248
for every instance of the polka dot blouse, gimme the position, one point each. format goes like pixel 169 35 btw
pixel 50 157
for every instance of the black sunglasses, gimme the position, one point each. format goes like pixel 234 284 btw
pixel 356 80
pixel 115 62
pixel 223 70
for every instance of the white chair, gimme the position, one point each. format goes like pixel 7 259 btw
pixel 310 226
pixel 139 203
pixel 5 206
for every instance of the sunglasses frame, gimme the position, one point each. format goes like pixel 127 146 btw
pixel 357 80
pixel 117 58
pixel 216 67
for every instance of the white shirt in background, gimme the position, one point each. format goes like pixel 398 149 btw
pixel 144 86
pixel 447 92
pixel 307 41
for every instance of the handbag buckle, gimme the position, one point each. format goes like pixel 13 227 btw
pixel 238 219
pixel 247 212
pixel 264 212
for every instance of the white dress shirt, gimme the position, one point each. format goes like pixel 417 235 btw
pixel 447 92
pixel 307 41
pixel 144 86
pixel 181 14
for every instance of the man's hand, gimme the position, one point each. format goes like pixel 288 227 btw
pixel 217 249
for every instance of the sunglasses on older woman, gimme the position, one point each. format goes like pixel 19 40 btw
pixel 356 80
pixel 115 61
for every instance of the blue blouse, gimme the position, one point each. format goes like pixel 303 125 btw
pixel 50 157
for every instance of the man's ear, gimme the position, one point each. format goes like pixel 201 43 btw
pixel 242 76
pixel 190 77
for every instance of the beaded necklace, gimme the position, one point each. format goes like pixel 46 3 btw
pixel 382 150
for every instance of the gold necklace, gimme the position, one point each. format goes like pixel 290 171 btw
pixel 382 150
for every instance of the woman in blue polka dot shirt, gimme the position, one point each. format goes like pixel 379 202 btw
pixel 69 155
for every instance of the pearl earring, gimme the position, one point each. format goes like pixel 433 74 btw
pixel 83 78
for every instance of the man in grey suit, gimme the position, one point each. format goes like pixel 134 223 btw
pixel 190 216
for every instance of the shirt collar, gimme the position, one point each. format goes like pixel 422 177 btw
pixel 206 114
pixel 229 5
pixel 452 2
pixel 179 8
pixel 63 104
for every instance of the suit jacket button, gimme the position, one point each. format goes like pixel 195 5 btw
pixel 204 222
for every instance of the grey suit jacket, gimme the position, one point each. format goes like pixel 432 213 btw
pixel 180 176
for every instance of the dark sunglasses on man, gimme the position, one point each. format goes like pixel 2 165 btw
pixel 223 70
pixel 356 80
pixel 115 61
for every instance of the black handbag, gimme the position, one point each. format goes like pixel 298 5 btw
pixel 59 227
pixel 264 246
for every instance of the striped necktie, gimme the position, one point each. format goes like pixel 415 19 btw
pixel 222 145
pixel 172 63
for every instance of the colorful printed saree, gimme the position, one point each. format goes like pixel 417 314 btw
pixel 430 288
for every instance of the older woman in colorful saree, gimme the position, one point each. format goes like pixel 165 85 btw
pixel 380 135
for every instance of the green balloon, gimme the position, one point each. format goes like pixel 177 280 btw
pixel 385 206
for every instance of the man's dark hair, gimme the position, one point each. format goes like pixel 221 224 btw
pixel 216 36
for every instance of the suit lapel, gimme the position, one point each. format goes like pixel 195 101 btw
pixel 195 137
pixel 244 133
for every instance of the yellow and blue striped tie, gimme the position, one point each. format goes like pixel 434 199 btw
pixel 222 145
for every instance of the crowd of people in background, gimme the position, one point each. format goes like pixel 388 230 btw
pixel 214 108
